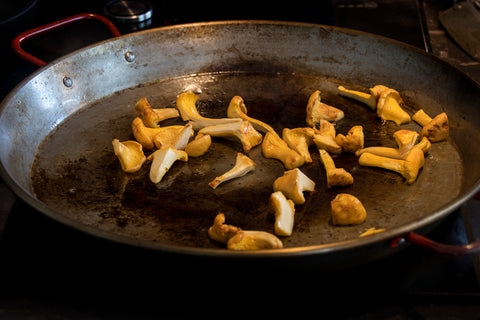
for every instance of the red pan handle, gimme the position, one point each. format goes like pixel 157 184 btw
pixel 52 26
pixel 444 249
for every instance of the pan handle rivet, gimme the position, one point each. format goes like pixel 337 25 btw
pixel 67 81
pixel 129 56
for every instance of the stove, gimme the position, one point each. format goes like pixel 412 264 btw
pixel 48 269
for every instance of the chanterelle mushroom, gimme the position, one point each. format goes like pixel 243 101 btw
pixel 237 109
pixel 199 145
pixel 173 136
pixel 151 117
pixel 324 138
pixel 405 140
pixel 243 131
pixel 317 110
pixel 299 139
pixel 347 210
pixel 292 184
pixel 436 129
pixel 408 168
pixel 143 134
pixel 274 147
pixel 220 231
pixel 188 111
pixel 335 176
pixel 284 211
pixel 130 154
pixel 253 240
pixel 388 107
pixel 162 160
pixel 353 141
pixel 243 165
pixel 385 100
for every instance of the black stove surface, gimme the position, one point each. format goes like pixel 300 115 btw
pixel 48 270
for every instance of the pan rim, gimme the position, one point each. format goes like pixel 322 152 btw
pixel 214 252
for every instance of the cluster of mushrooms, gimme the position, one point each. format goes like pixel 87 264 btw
pixel 292 149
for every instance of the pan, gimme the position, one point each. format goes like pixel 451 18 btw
pixel 57 126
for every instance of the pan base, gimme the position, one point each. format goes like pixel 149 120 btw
pixel 76 173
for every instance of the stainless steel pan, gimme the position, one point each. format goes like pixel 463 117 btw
pixel 56 130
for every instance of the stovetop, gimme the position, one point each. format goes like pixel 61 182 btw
pixel 48 269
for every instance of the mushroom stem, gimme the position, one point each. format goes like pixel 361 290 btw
pixel 369 99
pixel 188 112
pixel 421 118
pixel 335 176
pixel 237 109
pixel 243 165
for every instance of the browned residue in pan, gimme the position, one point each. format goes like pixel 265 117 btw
pixel 77 173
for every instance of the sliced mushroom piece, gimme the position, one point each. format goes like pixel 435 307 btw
pixel 237 109
pixel 188 111
pixel 254 240
pixel 299 139
pixel 353 141
pixel 317 110
pixel 199 145
pixel 243 131
pixel 274 147
pixel 173 136
pixel 347 210
pixel 151 117
pixel 284 211
pixel 243 165
pixel 405 139
pixel 436 129
pixel 388 107
pixel 292 184
pixel 143 134
pixel 162 161
pixel 335 176
pixel 130 154
pixel 220 231
pixel 324 138
pixel 408 168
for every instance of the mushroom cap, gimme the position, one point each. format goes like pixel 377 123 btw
pixel 388 107
pixel 353 141
pixel 299 139
pixel 254 240
pixel 405 139
pixel 143 134
pixel 220 231
pixel 198 146
pixel 292 184
pixel 151 117
pixel 130 154
pixel 437 129
pixel 317 110
pixel 413 163
pixel 274 147
pixel 338 177
pixel 347 210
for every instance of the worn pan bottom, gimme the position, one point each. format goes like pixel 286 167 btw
pixel 77 174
